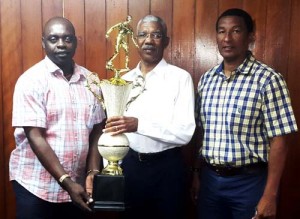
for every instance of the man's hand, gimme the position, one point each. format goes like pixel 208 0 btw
pixel 195 187
pixel 266 208
pixel 89 183
pixel 121 124
pixel 79 196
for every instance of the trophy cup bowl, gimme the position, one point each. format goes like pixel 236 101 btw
pixel 114 148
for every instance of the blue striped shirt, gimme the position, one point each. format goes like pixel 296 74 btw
pixel 241 113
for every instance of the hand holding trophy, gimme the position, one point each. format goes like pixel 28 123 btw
pixel 108 186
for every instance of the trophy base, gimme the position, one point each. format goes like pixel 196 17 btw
pixel 108 193
pixel 112 169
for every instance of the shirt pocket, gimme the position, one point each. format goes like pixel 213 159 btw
pixel 245 111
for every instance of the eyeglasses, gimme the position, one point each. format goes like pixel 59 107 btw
pixel 144 35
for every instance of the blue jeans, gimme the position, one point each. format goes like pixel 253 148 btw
pixel 233 197
pixel 28 206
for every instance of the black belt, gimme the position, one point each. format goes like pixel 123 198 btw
pixel 232 171
pixel 144 157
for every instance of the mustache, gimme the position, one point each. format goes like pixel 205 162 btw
pixel 148 47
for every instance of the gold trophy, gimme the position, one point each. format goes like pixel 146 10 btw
pixel 108 191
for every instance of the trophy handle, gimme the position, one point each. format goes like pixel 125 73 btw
pixel 93 80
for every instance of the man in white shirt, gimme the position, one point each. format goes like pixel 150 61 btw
pixel 159 120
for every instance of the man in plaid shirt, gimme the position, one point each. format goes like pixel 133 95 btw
pixel 243 112
pixel 57 123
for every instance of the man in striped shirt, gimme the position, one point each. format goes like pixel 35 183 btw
pixel 57 123
pixel 243 112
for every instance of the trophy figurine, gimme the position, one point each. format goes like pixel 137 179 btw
pixel 125 31
pixel 108 191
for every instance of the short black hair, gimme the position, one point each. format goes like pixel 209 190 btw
pixel 240 13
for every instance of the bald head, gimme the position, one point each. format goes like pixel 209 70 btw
pixel 58 21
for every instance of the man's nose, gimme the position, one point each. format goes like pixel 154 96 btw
pixel 228 36
pixel 149 38
pixel 61 42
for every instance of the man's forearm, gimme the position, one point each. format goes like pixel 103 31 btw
pixel 44 152
pixel 277 158
pixel 94 159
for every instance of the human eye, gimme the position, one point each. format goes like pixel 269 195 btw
pixel 221 31
pixel 156 35
pixel 69 39
pixel 141 35
pixel 236 30
pixel 52 39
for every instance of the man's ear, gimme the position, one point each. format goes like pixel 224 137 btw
pixel 75 41
pixel 251 41
pixel 43 44
pixel 251 38
pixel 166 41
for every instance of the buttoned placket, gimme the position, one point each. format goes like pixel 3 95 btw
pixel 75 120
pixel 221 134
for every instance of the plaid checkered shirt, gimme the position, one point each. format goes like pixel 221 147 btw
pixel 67 111
pixel 239 114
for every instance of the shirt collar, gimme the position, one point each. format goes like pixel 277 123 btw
pixel 243 68
pixel 53 68
pixel 157 70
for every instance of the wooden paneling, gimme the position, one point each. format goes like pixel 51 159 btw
pixel 183 40
pixel 95 37
pixel 11 38
pixel 224 5
pixel 2 163
pixel 277 35
pixel 31 29
pixel 290 196
pixel 191 27
pixel 206 54
pixel 51 8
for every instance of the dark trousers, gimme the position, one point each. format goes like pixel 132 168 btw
pixel 155 187
pixel 28 206
pixel 230 197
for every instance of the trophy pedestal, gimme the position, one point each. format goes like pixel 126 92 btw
pixel 108 193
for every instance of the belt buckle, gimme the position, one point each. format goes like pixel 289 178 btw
pixel 224 171
pixel 220 171
pixel 217 170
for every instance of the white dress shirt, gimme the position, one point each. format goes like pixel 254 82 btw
pixel 164 108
